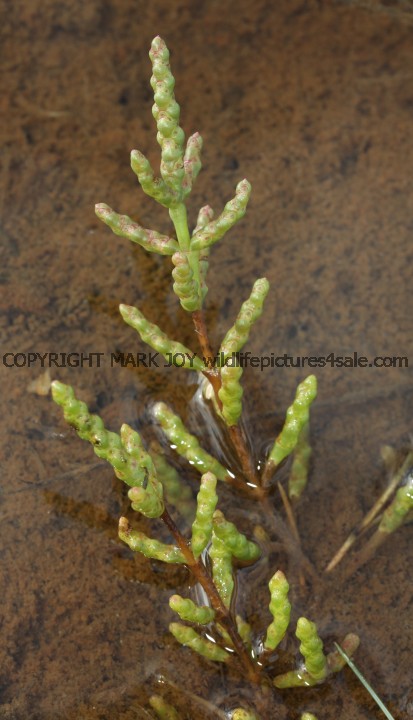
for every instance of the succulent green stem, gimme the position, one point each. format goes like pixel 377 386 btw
pixel 177 493
pixel 399 508
pixel 240 547
pixel 233 211
pixel 222 571
pixel 124 226
pixel 163 710
pixel 280 609
pixel 312 649
pixel 231 391
pixel 178 216
pixel 186 444
pixel 190 612
pixel 158 340
pixel 245 630
pixel 242 714
pixel 315 668
pixel 126 454
pixel 139 542
pixel 188 636
pixel 297 480
pixel 297 416
pixel 206 504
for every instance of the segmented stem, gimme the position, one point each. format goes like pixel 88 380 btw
pixel 280 609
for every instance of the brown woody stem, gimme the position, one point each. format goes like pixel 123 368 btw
pixel 244 456
pixel 200 572
pixel 269 470
pixel 201 331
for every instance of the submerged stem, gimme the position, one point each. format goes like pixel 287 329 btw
pixel 368 521
pixel 238 441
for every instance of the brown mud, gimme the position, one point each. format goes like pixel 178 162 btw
pixel 313 103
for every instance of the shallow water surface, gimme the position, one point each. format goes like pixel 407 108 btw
pixel 313 103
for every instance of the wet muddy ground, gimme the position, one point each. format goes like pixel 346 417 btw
pixel 313 103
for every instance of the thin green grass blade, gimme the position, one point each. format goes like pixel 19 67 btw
pixel 364 682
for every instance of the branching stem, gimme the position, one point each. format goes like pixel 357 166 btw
pixel 223 614
pixel 235 432
pixel 178 216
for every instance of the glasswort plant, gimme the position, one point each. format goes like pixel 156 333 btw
pixel 214 549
